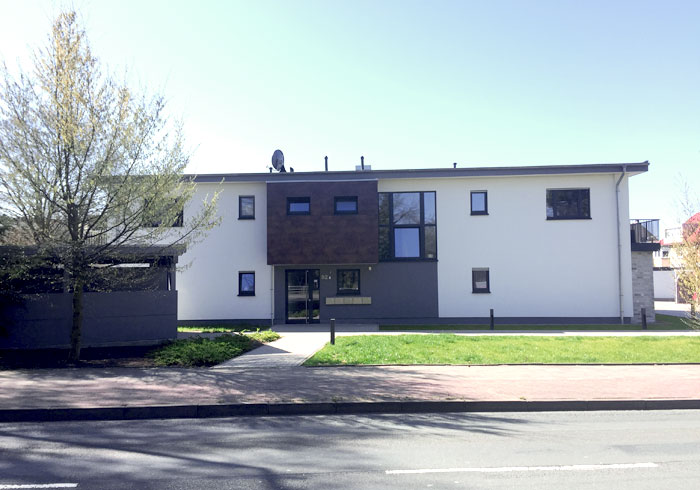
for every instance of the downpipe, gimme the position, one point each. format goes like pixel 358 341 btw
pixel 619 244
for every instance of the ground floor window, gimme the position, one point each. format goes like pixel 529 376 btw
pixel 348 281
pixel 480 281
pixel 246 284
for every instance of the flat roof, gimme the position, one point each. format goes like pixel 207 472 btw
pixel 597 168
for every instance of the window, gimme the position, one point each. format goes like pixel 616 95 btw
pixel 480 281
pixel 407 226
pixel 246 207
pixel 246 284
pixel 479 203
pixel 154 215
pixel 348 281
pixel 346 205
pixel 568 204
pixel 298 205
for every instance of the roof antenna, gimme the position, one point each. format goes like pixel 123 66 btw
pixel 326 158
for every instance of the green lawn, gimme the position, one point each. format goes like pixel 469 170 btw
pixel 243 327
pixel 455 349
pixel 663 322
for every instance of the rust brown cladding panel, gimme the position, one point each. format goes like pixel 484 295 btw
pixel 322 237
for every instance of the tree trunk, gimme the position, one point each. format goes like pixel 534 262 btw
pixel 77 327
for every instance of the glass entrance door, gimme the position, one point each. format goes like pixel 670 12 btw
pixel 303 296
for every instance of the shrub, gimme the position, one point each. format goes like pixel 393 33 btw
pixel 199 351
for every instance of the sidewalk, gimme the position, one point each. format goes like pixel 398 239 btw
pixel 271 381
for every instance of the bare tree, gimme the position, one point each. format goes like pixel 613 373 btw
pixel 89 168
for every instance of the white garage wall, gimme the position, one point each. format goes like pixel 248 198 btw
pixel 538 268
pixel 208 288
pixel 665 285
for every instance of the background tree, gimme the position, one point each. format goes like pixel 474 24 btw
pixel 85 163
pixel 687 252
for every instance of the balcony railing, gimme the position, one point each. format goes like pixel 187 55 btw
pixel 644 230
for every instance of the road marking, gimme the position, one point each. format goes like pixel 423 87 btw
pixel 41 485
pixel 508 469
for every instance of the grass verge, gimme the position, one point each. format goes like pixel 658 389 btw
pixel 455 349
pixel 243 327
pixel 663 322
pixel 199 351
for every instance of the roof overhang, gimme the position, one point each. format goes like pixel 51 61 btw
pixel 427 173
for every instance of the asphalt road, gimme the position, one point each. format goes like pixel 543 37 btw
pixel 558 450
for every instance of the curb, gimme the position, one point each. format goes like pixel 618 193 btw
pixel 334 408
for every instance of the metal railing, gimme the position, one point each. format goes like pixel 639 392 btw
pixel 644 230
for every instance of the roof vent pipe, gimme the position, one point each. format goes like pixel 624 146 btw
pixel 326 159
pixel 362 163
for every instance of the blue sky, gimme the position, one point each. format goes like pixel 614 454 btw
pixel 410 84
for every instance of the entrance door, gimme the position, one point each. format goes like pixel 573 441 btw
pixel 303 296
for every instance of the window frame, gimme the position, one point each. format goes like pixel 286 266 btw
pixel 485 212
pixel 240 207
pixel 421 226
pixel 338 199
pixel 477 290
pixel 579 200
pixel 240 283
pixel 298 200
pixel 347 292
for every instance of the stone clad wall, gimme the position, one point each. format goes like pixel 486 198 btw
pixel 643 286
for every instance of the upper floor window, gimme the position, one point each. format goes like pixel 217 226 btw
pixel 298 205
pixel 246 207
pixel 170 211
pixel 407 225
pixel 479 202
pixel 348 281
pixel 568 204
pixel 345 205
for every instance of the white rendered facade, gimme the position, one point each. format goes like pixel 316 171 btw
pixel 538 268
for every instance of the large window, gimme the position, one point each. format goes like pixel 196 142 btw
pixel 298 205
pixel 480 281
pixel 348 281
pixel 246 284
pixel 246 207
pixel 568 204
pixel 407 226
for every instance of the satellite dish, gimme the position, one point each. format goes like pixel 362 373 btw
pixel 278 161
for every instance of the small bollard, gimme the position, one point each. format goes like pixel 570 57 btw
pixel 332 331
pixel 644 318
pixel 491 323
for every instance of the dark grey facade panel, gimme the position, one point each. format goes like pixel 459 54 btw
pixel 422 173
pixel 114 318
pixel 397 289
